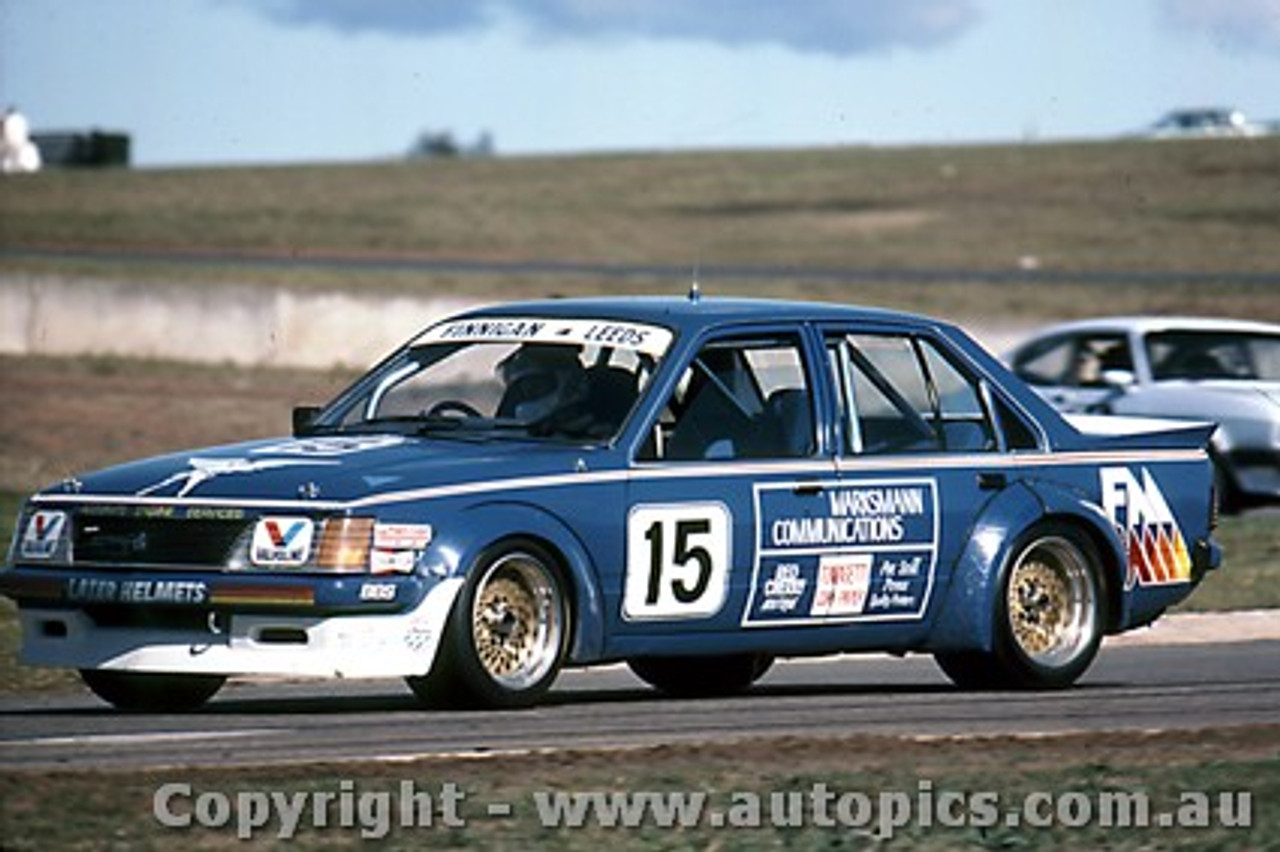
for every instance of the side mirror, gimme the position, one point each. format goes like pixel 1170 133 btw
pixel 304 419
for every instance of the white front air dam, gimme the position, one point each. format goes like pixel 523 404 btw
pixel 348 646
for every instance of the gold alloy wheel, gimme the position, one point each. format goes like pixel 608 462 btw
pixel 1052 602
pixel 517 621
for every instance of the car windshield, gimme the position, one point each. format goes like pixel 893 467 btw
pixel 561 380
pixel 1198 355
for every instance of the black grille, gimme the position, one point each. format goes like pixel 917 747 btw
pixel 154 617
pixel 155 541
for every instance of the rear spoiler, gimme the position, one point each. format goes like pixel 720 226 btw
pixel 1144 432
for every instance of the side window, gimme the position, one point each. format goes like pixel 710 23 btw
pixel 1046 362
pixel 902 395
pixel 1074 361
pixel 957 396
pixel 961 418
pixel 1017 434
pixel 889 394
pixel 738 399
pixel 1094 355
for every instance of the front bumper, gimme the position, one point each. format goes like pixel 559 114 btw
pixel 230 626
pixel 1255 473
pixel 224 591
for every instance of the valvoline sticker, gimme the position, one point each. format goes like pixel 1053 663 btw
pixel 282 542
pixel 43 534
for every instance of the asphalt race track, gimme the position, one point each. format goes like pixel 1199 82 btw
pixel 1136 687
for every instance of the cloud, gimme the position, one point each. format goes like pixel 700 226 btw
pixel 1241 24
pixel 838 27
pixel 428 16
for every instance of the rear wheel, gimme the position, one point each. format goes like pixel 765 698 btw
pixel 149 692
pixel 507 635
pixel 699 677
pixel 1048 616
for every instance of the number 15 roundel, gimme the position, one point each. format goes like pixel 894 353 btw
pixel 677 561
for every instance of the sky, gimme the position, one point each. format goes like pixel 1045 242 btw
pixel 212 82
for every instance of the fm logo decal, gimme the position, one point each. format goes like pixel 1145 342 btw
pixel 1157 553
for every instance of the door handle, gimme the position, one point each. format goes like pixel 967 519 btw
pixel 807 489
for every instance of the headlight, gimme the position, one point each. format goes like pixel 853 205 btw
pixel 344 544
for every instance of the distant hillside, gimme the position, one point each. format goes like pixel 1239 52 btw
pixel 1052 214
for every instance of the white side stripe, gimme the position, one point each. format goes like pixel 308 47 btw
pixel 664 471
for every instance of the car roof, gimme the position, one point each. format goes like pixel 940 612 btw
pixel 1148 324
pixel 693 311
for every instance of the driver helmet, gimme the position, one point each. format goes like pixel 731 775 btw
pixel 539 379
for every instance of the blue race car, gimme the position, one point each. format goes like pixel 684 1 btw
pixel 693 486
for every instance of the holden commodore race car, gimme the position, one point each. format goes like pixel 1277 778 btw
pixel 693 486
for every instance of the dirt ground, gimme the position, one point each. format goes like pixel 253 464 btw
pixel 62 416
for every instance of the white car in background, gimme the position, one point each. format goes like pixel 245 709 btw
pixel 1211 123
pixel 1219 370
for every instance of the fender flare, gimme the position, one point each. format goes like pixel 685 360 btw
pixel 963 621
pixel 485 524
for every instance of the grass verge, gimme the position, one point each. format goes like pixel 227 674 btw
pixel 1250 573
pixel 1073 791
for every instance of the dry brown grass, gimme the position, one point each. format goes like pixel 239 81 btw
pixel 1129 206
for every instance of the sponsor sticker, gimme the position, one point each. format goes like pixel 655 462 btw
pixel 378 592
pixel 43 534
pixel 281 542
pixel 1157 552
pixel 392 561
pixel 843 581
pixel 100 590
pixel 401 536
pixel 418 634
pixel 637 337
pixel 858 550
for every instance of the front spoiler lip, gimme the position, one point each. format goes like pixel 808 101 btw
pixel 72 588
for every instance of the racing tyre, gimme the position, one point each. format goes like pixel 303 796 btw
pixel 1048 616
pixel 149 692
pixel 507 635
pixel 701 677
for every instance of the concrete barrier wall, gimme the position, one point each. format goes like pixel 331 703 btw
pixel 239 324
pixel 232 323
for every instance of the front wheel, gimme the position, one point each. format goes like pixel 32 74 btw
pixel 1048 616
pixel 507 635
pixel 150 692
